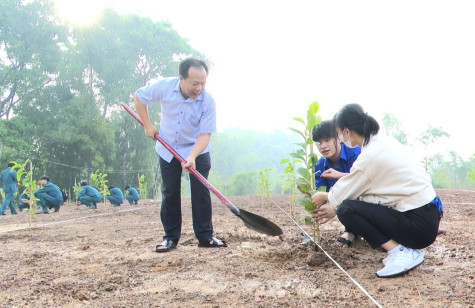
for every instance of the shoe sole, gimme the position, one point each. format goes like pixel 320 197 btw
pixel 401 273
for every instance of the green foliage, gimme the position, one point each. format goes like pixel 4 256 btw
pixel 17 143
pixel 471 173
pixel 64 87
pixel 453 173
pixel 238 151
pixel 76 189
pixel 432 134
pixel 429 136
pixel 393 128
pixel 142 187
pixel 289 182
pixel 25 178
pixel 263 184
pixel 304 162
pixel 31 42
pixel 244 183
pixel 99 181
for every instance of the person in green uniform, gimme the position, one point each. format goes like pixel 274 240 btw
pixel 48 196
pixel 8 179
pixel 133 196
pixel 89 196
pixel 116 197
pixel 23 202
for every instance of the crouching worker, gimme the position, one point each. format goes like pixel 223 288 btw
pixel 49 196
pixel 133 196
pixel 23 202
pixel 89 196
pixel 116 197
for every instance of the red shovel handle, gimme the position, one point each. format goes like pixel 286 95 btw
pixel 192 170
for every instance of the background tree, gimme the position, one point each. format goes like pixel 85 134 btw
pixel 392 128
pixel 428 137
pixel 30 44
pixel 70 92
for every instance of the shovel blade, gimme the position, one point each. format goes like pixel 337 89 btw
pixel 259 223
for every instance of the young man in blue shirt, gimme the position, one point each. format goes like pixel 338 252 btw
pixel 188 118
pixel 336 161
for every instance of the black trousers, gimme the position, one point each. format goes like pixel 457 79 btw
pixel 170 212
pixel 378 224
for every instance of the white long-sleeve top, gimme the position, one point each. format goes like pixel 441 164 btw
pixel 385 174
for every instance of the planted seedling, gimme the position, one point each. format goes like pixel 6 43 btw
pixel 305 159
pixel 142 186
pixel 25 178
pixel 289 183
pixel 263 184
pixel 99 180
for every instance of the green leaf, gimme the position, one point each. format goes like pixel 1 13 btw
pixel 297 131
pixel 284 160
pixel 302 201
pixel 297 156
pixel 314 107
pixel 308 221
pixel 303 172
pixel 298 119
pixel 304 187
pixel 312 120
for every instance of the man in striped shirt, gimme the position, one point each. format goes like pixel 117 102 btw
pixel 188 118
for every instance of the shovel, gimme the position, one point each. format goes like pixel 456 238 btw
pixel 252 221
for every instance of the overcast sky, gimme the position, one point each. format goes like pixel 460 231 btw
pixel 271 59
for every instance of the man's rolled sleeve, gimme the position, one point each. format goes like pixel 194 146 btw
pixel 208 118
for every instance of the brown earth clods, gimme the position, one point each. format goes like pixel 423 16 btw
pixel 105 258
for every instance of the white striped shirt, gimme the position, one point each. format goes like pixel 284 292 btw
pixel 182 120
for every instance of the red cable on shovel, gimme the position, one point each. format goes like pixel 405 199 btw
pixel 252 221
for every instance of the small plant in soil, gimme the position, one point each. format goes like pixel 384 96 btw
pixel 305 159
pixel 25 178
pixel 142 186
pixel 289 182
pixel 263 184
pixel 99 180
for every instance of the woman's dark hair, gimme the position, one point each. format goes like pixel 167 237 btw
pixel 323 130
pixel 191 62
pixel 111 187
pixel 83 183
pixel 353 117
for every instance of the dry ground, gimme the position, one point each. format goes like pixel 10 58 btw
pixel 104 258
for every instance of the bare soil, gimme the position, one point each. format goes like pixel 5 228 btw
pixel 105 258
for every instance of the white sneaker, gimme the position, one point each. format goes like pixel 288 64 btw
pixel 400 262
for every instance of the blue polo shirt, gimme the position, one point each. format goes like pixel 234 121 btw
pixel 347 158
pixel 182 120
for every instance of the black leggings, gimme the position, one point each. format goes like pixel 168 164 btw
pixel 378 224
